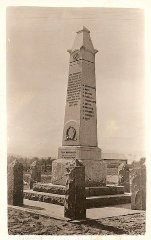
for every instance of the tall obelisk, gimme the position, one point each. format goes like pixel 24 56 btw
pixel 80 123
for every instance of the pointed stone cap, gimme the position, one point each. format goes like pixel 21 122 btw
pixel 84 29
pixel 83 40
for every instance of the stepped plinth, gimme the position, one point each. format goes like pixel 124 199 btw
pixel 95 196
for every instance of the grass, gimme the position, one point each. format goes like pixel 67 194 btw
pixel 24 223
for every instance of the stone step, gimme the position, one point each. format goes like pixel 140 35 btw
pixel 44 197
pixel 49 188
pixel 102 191
pixel 90 191
pixel 108 200
pixel 91 202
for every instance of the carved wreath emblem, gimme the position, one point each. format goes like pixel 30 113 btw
pixel 76 55
pixel 71 134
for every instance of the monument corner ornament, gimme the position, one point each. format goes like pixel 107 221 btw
pixel 80 123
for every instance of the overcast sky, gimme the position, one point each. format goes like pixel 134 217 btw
pixel 37 75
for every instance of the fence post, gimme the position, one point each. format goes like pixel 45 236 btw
pixel 123 177
pixel 15 183
pixel 138 188
pixel 75 198
pixel 35 173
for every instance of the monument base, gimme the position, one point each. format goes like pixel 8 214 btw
pixel 95 168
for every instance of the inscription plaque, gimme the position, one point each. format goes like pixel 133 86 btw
pixel 74 88
pixel 88 102
pixel 70 154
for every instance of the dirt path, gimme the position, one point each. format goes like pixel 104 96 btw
pixel 28 223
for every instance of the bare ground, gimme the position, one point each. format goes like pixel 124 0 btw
pixel 23 223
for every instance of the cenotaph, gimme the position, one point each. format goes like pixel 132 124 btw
pixel 80 123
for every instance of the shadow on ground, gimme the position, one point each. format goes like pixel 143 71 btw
pixel 100 226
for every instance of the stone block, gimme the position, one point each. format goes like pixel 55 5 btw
pixel 59 171
pixel 15 183
pixel 138 187
pixel 112 180
pixel 95 172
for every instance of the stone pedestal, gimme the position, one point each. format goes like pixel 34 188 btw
pixel 95 172
pixel 15 183
pixel 95 169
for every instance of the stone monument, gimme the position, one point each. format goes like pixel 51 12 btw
pixel 80 124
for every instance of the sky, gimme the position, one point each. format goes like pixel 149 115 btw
pixel 37 76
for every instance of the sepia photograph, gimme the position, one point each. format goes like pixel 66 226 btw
pixel 75 95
